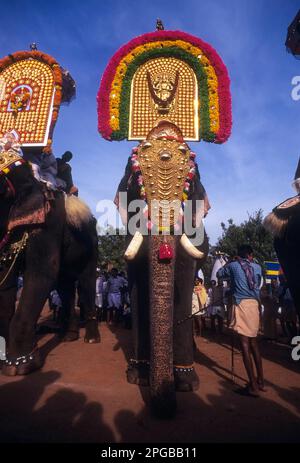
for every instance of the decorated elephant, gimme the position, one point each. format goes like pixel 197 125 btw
pixel 51 239
pixel 48 237
pixel 161 267
pixel 284 223
pixel 164 89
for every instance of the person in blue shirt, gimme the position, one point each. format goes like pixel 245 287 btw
pixel 245 280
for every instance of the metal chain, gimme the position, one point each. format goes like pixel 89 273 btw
pixel 22 245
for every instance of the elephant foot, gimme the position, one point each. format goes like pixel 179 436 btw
pixel 138 372
pixel 22 365
pixel 70 336
pixel 186 379
pixel 92 335
pixel 163 401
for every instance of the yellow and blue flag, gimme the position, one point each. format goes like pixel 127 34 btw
pixel 273 269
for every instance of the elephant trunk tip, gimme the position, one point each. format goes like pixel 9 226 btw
pixel 163 402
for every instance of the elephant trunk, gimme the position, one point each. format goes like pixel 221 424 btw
pixel 162 389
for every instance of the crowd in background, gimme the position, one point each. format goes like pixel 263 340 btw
pixel 211 305
pixel 112 299
pixel 212 308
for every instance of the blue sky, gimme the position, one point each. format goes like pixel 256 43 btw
pixel 254 169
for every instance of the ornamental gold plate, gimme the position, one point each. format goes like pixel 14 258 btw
pixel 164 89
pixel 26 101
pixel 164 168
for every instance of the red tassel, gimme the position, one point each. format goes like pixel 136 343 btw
pixel 165 252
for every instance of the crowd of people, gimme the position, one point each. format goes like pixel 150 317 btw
pixel 212 306
pixel 112 299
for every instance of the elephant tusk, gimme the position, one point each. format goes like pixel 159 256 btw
pixel 190 248
pixel 134 246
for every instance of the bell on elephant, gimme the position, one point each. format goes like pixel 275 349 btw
pixel 165 252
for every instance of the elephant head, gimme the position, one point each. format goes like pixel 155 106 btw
pixel 163 173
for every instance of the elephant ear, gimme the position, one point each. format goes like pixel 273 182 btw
pixel 275 225
pixel 30 209
pixel 278 219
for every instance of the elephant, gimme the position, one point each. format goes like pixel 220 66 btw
pixel 51 239
pixel 161 287
pixel 284 223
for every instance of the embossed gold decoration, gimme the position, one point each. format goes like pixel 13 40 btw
pixel 27 101
pixel 164 89
pixel 7 158
pixel 164 168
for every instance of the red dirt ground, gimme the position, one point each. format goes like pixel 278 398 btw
pixel 81 395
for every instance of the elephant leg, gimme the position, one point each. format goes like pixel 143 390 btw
pixel 185 376
pixel 41 263
pixel 8 293
pixel 87 284
pixel 23 357
pixel 138 278
pixel 68 319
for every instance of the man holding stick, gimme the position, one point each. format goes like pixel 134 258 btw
pixel 245 279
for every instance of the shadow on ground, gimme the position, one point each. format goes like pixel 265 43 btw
pixel 66 416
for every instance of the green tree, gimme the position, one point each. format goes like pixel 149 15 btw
pixel 111 248
pixel 251 232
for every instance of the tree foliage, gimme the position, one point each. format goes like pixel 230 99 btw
pixel 251 232
pixel 111 248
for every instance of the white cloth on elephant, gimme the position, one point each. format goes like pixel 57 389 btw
pixel 114 300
